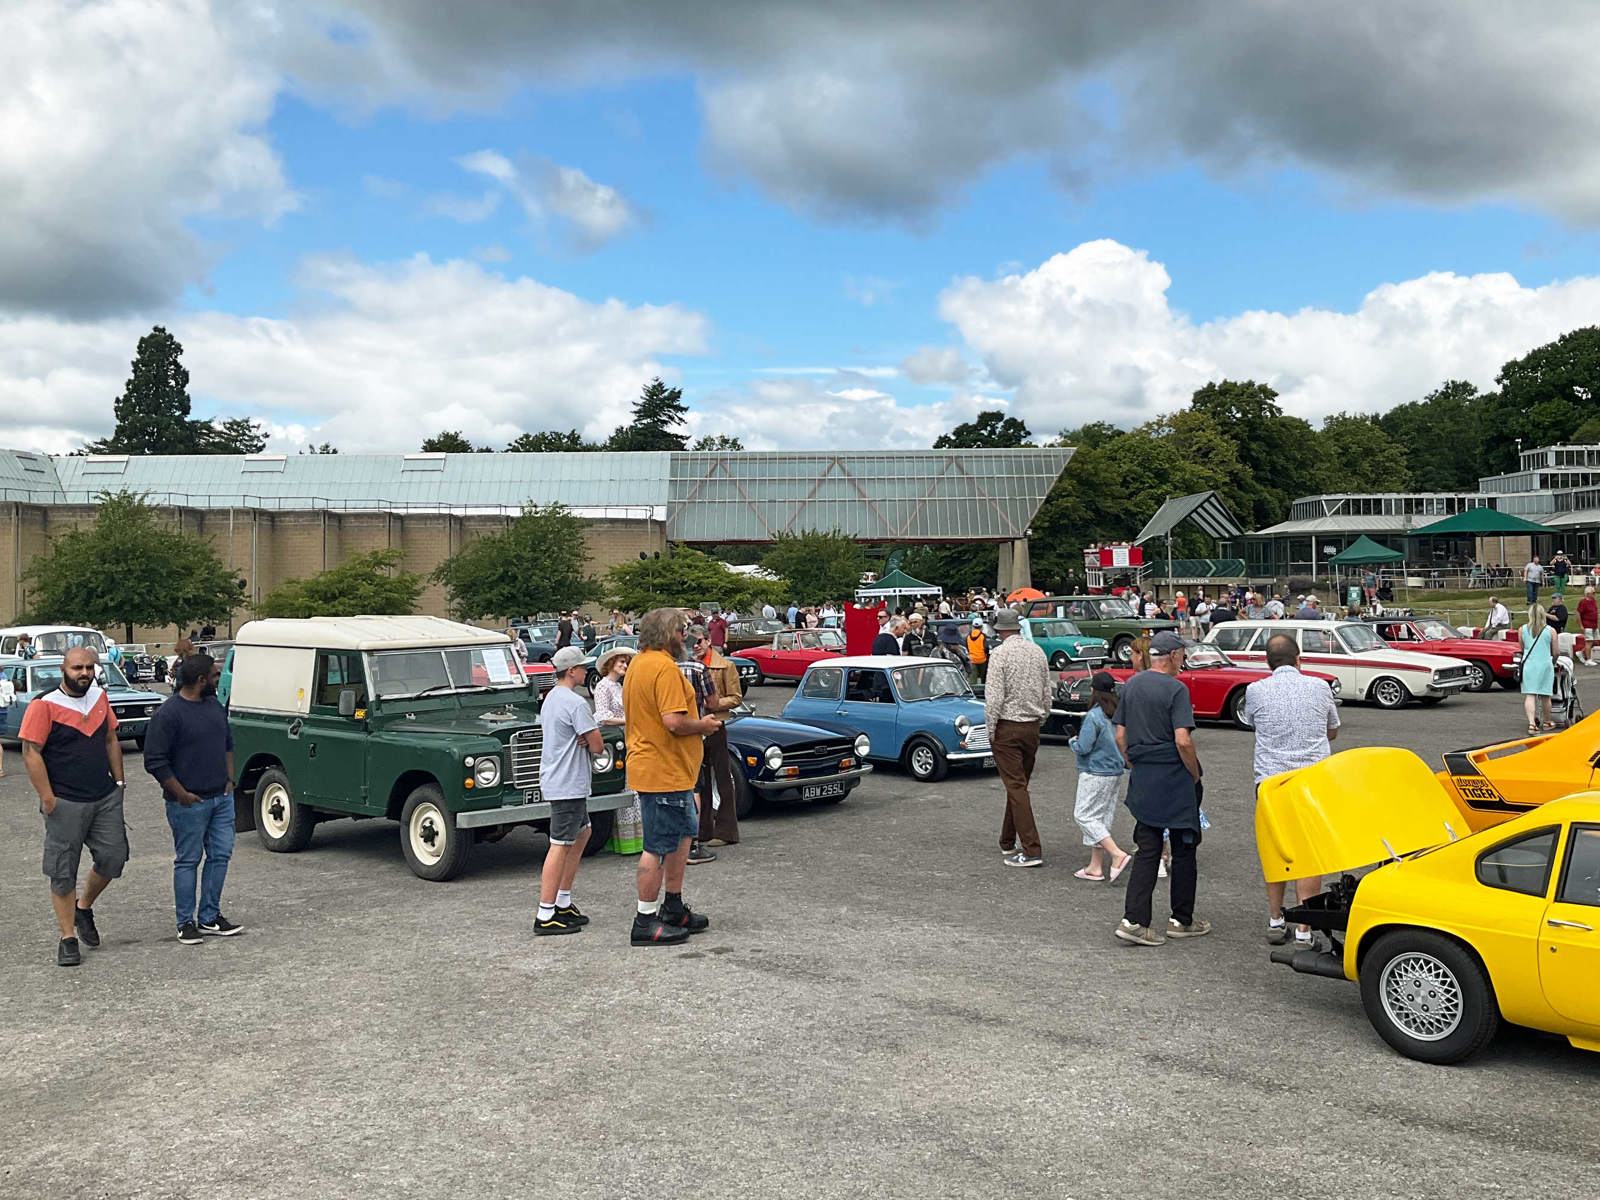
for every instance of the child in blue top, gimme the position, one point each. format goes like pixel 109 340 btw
pixel 1100 769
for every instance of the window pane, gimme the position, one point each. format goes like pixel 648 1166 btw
pixel 867 686
pixel 1522 865
pixel 823 683
pixel 1581 884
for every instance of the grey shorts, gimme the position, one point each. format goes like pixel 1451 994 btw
pixel 74 824
pixel 568 819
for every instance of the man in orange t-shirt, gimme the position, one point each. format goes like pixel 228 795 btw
pixel 665 729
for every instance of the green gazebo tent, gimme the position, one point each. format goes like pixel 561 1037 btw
pixel 897 583
pixel 1480 522
pixel 1366 552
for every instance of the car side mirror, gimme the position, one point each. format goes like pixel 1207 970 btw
pixel 347 702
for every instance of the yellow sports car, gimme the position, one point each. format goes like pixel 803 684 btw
pixel 1451 934
pixel 1494 783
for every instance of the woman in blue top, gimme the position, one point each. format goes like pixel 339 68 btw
pixel 1538 642
pixel 1100 768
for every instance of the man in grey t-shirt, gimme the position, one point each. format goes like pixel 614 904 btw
pixel 571 738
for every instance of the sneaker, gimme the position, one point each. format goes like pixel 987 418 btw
pixel 555 925
pixel 1304 939
pixel 189 934
pixel 1022 859
pixel 650 930
pixel 1137 935
pixel 67 954
pixel 1198 927
pixel 572 916
pixel 83 918
pixel 1277 935
pixel 1161 871
pixel 684 917
pixel 699 854
pixel 221 927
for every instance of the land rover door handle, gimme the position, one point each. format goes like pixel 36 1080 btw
pixel 295 726
pixel 1554 923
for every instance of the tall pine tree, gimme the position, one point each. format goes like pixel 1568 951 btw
pixel 658 414
pixel 153 411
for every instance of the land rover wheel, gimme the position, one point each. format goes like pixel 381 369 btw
pixel 1236 709
pixel 1387 692
pixel 926 760
pixel 1059 661
pixel 1428 996
pixel 435 849
pixel 600 826
pixel 1122 651
pixel 1480 674
pixel 282 822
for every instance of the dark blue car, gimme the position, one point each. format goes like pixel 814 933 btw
pixel 776 760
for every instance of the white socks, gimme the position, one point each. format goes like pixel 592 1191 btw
pixel 649 908
pixel 546 911
pixel 563 899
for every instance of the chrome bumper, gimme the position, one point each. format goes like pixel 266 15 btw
pixel 1449 687
pixel 800 781
pixel 970 755
pixel 518 814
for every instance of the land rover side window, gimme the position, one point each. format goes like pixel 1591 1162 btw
pixel 867 686
pixel 823 684
pixel 335 673
pixel 1580 880
pixel 1233 636
pixel 1520 865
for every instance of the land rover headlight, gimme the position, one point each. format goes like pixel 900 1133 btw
pixel 605 760
pixel 863 745
pixel 486 771
pixel 774 757
pixel 963 725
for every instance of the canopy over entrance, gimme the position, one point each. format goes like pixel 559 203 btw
pixel 1205 509
pixel 898 583
pixel 1366 552
pixel 1479 522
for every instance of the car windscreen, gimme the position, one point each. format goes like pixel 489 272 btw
pixel 452 669
pixel 61 640
pixel 108 674
pixel 1357 638
pixel 1203 656
pixel 1435 630
pixel 930 681
pixel 1114 607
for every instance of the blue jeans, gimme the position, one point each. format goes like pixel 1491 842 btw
pixel 206 828
pixel 1533 593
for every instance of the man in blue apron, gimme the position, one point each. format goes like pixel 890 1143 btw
pixel 1155 724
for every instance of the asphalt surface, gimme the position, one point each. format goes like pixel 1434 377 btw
pixel 879 1009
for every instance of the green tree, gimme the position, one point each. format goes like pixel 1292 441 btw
pixel 719 442
pixel 365 585
pixel 447 441
pixel 153 411
pixel 658 414
pixel 1278 453
pixel 687 577
pixel 323 448
pixel 1441 436
pixel 129 568
pixel 546 442
pixel 237 435
pixel 987 431
pixel 1544 396
pixel 536 564
pixel 1359 455
pixel 818 566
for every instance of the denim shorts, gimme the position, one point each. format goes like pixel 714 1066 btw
pixel 568 819
pixel 669 817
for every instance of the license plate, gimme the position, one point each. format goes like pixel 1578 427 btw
pixel 988 760
pixel 816 791
pixel 514 798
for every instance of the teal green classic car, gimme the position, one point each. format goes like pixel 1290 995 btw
pixel 131 705
pixel 421 720
pixel 1064 644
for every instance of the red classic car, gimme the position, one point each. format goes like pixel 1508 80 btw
pixel 1489 660
pixel 792 651
pixel 1216 683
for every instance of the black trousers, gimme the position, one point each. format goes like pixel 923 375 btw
pixel 1184 874
pixel 721 819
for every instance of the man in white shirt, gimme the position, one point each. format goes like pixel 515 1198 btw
pixel 1533 576
pixel 769 613
pixel 1499 617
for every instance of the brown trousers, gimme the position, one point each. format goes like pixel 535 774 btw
pixel 721 819
pixel 1016 745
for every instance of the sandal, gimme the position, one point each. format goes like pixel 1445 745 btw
pixel 1127 861
pixel 1549 725
pixel 1085 873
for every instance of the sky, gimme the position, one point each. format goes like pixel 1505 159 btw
pixel 832 224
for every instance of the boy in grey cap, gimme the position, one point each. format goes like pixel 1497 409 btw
pixel 571 738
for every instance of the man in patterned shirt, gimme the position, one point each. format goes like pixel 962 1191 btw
pixel 1016 701
pixel 1295 719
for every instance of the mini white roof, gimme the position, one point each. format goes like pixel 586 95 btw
pixel 884 661
pixel 365 633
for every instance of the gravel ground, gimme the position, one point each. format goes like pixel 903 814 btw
pixel 880 1009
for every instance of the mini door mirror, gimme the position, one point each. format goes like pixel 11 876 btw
pixel 347 702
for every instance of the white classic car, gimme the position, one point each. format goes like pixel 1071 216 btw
pixel 1366 666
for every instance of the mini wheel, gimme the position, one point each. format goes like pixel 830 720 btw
pixel 925 759
pixel 434 848
pixel 1428 996
pixel 1059 661
pixel 283 824
pixel 1387 692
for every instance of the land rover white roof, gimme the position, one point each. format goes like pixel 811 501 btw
pixel 365 633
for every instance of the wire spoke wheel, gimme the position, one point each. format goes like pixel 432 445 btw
pixel 1422 996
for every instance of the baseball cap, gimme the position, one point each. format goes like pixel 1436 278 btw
pixel 1103 681
pixel 1006 619
pixel 566 658
pixel 977 622
pixel 1166 642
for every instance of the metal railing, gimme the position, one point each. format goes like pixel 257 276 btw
pixel 214 503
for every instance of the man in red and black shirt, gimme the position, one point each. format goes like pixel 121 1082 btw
pixel 74 761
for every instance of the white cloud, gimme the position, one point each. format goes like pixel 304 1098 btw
pixel 122 120
pixel 1089 335
pixel 802 414
pixel 469 210
pixel 382 357
pixel 936 364
pixel 588 213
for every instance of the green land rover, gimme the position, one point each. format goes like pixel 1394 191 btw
pixel 421 720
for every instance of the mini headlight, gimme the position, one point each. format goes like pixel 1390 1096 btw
pixel 604 760
pixel 774 757
pixel 963 725
pixel 863 745
pixel 487 771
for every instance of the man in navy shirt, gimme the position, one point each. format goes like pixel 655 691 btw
pixel 189 749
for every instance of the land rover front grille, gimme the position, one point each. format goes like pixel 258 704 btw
pixel 527 748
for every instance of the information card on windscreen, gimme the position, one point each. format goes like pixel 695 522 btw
pixel 499 668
